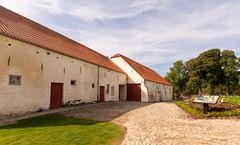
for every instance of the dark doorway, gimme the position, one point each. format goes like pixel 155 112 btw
pixel 56 95
pixel 122 92
pixel 102 99
pixel 133 92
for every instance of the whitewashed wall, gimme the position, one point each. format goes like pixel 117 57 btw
pixel 113 79
pixel 150 91
pixel 158 92
pixel 133 76
pixel 26 61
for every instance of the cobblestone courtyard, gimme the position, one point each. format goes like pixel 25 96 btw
pixel 158 123
pixel 162 123
pixel 165 123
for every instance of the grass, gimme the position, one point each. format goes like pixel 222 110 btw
pixel 235 100
pixel 59 130
pixel 218 110
pixel 193 111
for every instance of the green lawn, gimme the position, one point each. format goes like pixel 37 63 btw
pixel 229 108
pixel 232 99
pixel 60 130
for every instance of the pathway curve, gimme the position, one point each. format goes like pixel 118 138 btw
pixel 166 123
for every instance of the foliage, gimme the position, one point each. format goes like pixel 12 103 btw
pixel 178 77
pixel 189 109
pixel 195 112
pixel 223 114
pixel 59 130
pixel 235 100
pixel 212 72
pixel 230 67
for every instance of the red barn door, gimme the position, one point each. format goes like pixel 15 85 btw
pixel 133 92
pixel 56 95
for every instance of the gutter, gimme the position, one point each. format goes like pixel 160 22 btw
pixel 98 96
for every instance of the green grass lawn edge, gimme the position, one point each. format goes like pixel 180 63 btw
pixel 59 128
pixel 199 114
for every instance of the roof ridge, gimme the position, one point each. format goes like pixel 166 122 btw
pixel 155 77
pixel 53 31
pixel 120 55
pixel 16 26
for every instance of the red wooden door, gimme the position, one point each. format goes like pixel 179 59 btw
pixel 133 92
pixel 102 94
pixel 56 95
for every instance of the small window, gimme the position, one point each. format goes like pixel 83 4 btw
pixel 73 82
pixel 112 91
pixel 108 88
pixel 93 85
pixel 15 80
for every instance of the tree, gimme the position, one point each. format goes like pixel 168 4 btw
pixel 195 82
pixel 230 66
pixel 178 77
pixel 205 72
pixel 211 69
pixel 212 72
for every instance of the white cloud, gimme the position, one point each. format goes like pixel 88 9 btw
pixel 151 31
pixel 100 10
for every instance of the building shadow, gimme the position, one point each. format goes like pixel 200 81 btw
pixel 105 111
pixel 51 120
pixel 88 114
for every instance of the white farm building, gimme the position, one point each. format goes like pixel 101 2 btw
pixel 40 68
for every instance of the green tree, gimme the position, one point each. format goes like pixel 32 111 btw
pixel 195 82
pixel 230 66
pixel 212 72
pixel 211 69
pixel 205 72
pixel 178 77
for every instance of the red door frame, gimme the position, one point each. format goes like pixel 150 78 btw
pixel 56 95
pixel 102 94
pixel 133 92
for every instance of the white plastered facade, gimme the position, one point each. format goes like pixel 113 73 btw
pixel 150 91
pixel 38 68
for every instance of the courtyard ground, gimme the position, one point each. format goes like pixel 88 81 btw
pixel 162 123
pixel 159 123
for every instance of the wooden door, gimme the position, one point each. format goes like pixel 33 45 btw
pixel 102 99
pixel 56 95
pixel 134 92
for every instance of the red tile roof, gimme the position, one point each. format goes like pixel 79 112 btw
pixel 18 27
pixel 145 72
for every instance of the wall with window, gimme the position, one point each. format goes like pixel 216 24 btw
pixel 26 73
pixel 111 80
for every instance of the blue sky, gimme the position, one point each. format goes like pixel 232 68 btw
pixel 153 32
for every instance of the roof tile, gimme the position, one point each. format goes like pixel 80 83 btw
pixel 143 71
pixel 18 27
